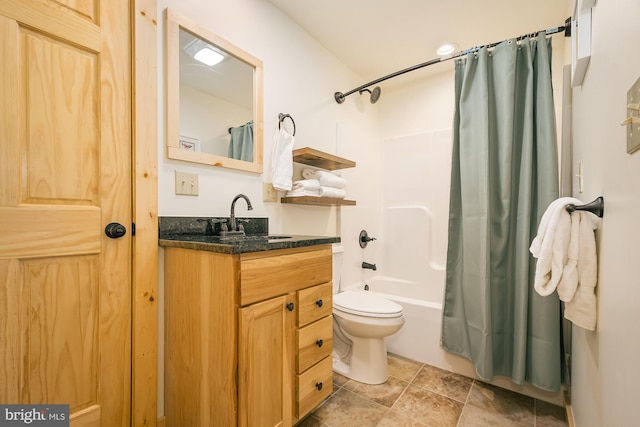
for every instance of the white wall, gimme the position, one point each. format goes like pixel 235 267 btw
pixel 606 372
pixel 196 111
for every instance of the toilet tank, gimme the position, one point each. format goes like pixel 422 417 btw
pixel 338 252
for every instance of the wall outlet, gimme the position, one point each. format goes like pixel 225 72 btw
pixel 186 183
pixel 269 194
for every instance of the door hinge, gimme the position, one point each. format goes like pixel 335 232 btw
pixel 133 229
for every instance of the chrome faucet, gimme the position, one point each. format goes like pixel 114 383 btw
pixel 232 218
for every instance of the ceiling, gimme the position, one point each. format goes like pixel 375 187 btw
pixel 376 38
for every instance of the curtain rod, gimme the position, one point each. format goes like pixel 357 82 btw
pixel 339 96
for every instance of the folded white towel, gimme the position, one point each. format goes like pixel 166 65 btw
pixel 304 187
pixel 581 310
pixel 336 193
pixel 327 179
pixel 282 161
pixel 551 244
pixel 307 184
pixel 299 192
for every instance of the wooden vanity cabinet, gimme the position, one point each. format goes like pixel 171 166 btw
pixel 248 338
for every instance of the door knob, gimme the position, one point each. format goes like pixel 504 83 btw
pixel 290 306
pixel 115 230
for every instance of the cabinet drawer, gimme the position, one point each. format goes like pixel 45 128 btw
pixel 314 303
pixel 314 385
pixel 315 342
pixel 263 276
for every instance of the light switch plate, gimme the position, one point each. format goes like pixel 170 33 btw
pixel 633 128
pixel 186 183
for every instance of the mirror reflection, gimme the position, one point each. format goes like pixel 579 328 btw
pixel 216 100
pixel 214 97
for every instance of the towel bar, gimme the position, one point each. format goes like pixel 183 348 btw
pixel 596 207
pixel 281 118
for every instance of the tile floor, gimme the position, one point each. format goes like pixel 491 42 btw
pixel 421 395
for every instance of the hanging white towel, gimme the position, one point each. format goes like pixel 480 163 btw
pixel 582 310
pixel 566 251
pixel 551 244
pixel 282 161
pixel 327 179
pixel 569 280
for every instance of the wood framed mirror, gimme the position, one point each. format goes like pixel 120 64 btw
pixel 214 110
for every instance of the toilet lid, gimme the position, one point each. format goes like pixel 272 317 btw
pixel 366 304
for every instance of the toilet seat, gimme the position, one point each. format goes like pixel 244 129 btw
pixel 363 303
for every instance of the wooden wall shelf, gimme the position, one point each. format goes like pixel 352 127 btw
pixel 319 159
pixel 318 201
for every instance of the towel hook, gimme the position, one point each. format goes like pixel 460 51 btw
pixel 281 118
pixel 596 207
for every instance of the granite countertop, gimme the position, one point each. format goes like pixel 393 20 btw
pixel 197 234
pixel 240 245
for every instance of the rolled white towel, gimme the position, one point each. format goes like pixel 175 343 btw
pixel 336 193
pixel 327 179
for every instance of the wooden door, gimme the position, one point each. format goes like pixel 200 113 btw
pixel 65 173
pixel 264 364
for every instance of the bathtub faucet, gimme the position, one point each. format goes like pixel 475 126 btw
pixel 370 266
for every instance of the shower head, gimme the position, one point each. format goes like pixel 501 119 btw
pixel 375 94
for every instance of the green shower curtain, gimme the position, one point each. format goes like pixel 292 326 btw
pixel 504 175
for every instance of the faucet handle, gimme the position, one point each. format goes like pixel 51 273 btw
pixel 221 221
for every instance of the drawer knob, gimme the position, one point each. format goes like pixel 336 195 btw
pixel 319 343
pixel 319 303
pixel 290 306
pixel 319 386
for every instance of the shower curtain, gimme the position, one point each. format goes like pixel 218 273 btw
pixel 504 175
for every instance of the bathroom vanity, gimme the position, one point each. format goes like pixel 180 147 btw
pixel 248 329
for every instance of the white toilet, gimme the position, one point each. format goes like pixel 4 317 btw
pixel 361 321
